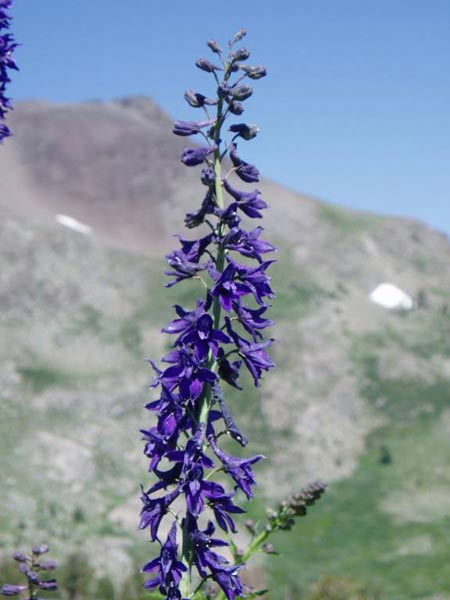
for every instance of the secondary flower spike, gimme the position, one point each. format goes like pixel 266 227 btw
pixel 7 63
pixel 194 481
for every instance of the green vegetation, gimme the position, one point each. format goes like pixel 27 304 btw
pixel 346 221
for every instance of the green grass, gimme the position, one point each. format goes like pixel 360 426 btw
pixel 345 221
pixel 363 526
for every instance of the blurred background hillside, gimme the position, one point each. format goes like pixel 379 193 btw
pixel 361 394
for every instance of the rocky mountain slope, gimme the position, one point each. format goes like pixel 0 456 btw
pixel 360 396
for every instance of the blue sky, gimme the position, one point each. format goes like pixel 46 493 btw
pixel 355 110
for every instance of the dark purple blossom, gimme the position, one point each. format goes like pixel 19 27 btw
pixel 196 329
pixel 251 319
pixel 238 468
pixel 232 429
pixel 229 581
pixel 194 219
pixel 229 371
pixel 249 202
pixel 169 568
pixel 246 132
pixel 253 354
pixel 154 510
pixel 247 243
pixel 186 373
pixel 184 261
pixel 244 170
pixel 227 287
pixel 202 542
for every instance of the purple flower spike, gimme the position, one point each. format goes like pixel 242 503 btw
pixel 191 415
pixel 7 62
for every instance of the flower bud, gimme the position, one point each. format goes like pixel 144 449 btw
pixel 208 177
pixel 212 44
pixel 242 92
pixel 48 565
pixel 239 35
pixel 32 577
pixel 268 548
pixel 236 108
pixel 42 549
pixel 194 99
pixel 50 585
pixel 195 156
pixel 24 568
pixel 205 65
pixel 19 557
pixel 250 526
pixel 255 72
pixel 12 590
pixel 247 132
pixel 239 54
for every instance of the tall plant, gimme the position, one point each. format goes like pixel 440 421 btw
pixel 212 342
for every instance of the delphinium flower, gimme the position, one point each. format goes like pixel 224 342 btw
pixel 7 47
pixel 32 567
pixel 212 342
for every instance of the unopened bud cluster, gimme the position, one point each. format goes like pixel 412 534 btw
pixel 295 506
pixel 32 567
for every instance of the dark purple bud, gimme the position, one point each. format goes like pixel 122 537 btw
pixel 239 54
pixel 208 177
pixel 241 92
pixel 185 128
pixel 247 132
pixel 12 590
pixel 48 565
pixel 19 557
pixel 247 172
pixel 197 100
pixel 212 44
pixel 51 585
pixel 205 65
pixel 32 577
pixel 42 549
pixel 235 108
pixel 195 156
pixel 255 71
pixel 223 90
pixel 239 35
pixel 24 568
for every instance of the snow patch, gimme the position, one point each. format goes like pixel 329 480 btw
pixel 73 224
pixel 392 297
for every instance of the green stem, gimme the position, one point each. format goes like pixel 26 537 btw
pixel 206 399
